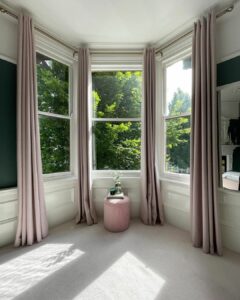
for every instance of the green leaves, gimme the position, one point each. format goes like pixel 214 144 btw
pixel 178 134
pixel 53 97
pixel 181 103
pixel 117 145
pixel 53 88
pixel 55 144
pixel 117 95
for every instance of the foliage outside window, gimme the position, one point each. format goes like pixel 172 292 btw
pixel 117 97
pixel 54 114
pixel 178 83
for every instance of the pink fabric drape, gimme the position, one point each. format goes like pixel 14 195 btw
pixel 151 206
pixel 204 143
pixel 32 220
pixel 86 211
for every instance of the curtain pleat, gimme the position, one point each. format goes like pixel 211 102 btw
pixel 86 211
pixel 151 204
pixel 32 219
pixel 204 141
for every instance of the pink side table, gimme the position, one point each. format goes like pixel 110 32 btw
pixel 116 214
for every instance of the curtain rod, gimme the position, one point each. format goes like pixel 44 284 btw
pixel 75 50
pixel 218 15
pixel 101 51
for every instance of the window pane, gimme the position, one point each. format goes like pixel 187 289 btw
pixel 178 145
pixel 55 144
pixel 53 84
pixel 117 145
pixel 179 87
pixel 117 94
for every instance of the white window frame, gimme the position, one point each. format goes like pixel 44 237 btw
pixel 59 53
pixel 175 54
pixel 115 63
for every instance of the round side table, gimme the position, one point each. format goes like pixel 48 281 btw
pixel 116 214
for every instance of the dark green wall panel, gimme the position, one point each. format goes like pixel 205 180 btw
pixel 228 71
pixel 8 162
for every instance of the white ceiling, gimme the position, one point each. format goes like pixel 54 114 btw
pixel 109 23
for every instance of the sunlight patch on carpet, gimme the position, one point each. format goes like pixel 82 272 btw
pixel 25 271
pixel 127 278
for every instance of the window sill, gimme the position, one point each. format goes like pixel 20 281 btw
pixel 176 179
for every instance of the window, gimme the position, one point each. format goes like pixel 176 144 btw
pixel 177 113
pixel 117 97
pixel 54 114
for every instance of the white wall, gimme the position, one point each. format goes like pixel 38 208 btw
pixel 227 39
pixel 176 195
pixel 59 203
pixel 8 37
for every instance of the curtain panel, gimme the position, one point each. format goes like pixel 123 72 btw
pixel 151 205
pixel 204 142
pixel 32 220
pixel 86 211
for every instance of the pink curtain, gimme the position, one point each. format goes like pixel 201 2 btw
pixel 86 211
pixel 151 206
pixel 204 142
pixel 32 221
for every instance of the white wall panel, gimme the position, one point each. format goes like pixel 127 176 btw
pixel 177 211
pixel 60 205
pixel 176 204
pixel 7 232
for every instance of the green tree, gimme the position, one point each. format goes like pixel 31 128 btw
pixel 52 80
pixel 178 133
pixel 117 95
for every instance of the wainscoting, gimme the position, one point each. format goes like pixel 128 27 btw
pixel 230 221
pixel 59 203
pixel 176 204
pixel 177 211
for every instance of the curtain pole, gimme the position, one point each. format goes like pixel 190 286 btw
pixel 218 15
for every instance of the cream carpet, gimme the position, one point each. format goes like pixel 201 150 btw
pixel 142 263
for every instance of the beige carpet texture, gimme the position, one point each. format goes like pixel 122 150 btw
pixel 142 263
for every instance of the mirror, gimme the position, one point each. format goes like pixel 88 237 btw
pixel 229 121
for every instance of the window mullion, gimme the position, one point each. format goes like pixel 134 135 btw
pixel 177 116
pixel 116 119
pixel 47 114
